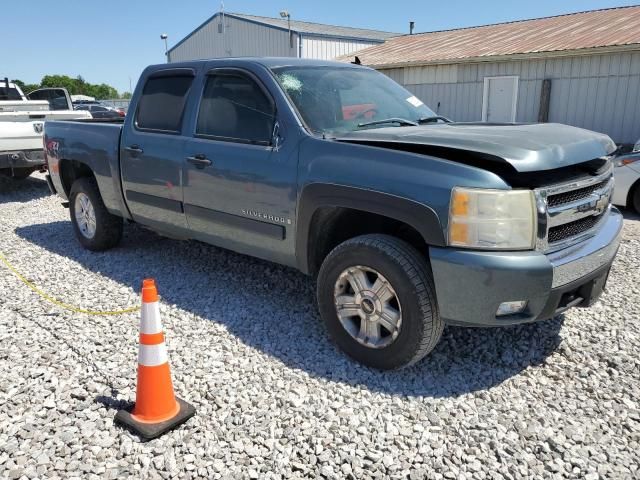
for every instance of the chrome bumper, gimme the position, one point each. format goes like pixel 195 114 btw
pixel 572 263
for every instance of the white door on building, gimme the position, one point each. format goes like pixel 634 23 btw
pixel 500 99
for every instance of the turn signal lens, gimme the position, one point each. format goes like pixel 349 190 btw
pixel 460 204
pixel 492 219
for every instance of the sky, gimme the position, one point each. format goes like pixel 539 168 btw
pixel 112 41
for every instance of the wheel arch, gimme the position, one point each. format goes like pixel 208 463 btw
pixel 330 214
pixel 108 183
pixel 70 171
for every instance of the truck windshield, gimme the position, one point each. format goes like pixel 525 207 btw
pixel 9 93
pixel 338 100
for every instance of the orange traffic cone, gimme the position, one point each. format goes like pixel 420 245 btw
pixel 157 409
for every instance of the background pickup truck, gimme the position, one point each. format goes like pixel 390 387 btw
pixel 22 123
pixel 408 221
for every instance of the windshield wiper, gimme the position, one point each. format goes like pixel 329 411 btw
pixel 433 119
pixel 398 120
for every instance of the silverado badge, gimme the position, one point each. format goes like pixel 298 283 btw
pixel 266 216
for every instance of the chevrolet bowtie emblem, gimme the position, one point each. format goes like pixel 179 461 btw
pixel 602 204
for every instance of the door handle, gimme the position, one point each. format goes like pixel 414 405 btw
pixel 135 149
pixel 199 160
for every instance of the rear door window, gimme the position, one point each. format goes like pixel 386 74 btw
pixel 235 108
pixel 162 103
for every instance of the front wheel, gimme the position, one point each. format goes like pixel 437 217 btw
pixel 635 198
pixel 95 228
pixel 377 299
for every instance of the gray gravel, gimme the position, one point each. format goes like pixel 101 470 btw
pixel 275 399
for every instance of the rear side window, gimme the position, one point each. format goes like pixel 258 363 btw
pixel 235 108
pixel 9 94
pixel 162 103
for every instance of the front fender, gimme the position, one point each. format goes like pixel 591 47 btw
pixel 317 195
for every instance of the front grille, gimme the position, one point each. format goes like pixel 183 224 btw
pixel 572 229
pixel 570 211
pixel 572 196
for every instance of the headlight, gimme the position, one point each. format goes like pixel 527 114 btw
pixel 492 219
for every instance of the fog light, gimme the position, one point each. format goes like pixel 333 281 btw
pixel 510 308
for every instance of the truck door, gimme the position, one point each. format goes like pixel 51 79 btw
pixel 152 151
pixel 239 181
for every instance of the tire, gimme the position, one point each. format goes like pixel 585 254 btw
pixel 107 228
pixel 634 201
pixel 409 276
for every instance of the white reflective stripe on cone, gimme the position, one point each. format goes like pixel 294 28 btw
pixel 150 318
pixel 152 355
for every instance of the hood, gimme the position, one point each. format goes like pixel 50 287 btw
pixel 526 147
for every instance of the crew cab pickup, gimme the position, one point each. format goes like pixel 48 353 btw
pixel 408 221
pixel 22 122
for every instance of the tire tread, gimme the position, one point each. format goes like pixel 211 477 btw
pixel 108 227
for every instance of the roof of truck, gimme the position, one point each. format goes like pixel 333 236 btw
pixel 269 62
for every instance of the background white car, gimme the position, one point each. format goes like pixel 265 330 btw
pixel 627 175
pixel 22 120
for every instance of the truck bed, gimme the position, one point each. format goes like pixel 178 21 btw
pixel 95 143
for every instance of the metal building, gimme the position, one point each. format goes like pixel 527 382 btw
pixel 581 69
pixel 238 35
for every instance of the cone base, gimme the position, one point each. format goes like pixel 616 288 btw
pixel 149 431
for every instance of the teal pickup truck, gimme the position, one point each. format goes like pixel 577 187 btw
pixel 408 221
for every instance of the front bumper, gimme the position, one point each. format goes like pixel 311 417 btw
pixel 22 159
pixel 470 285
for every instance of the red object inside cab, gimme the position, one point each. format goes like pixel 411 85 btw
pixel 363 110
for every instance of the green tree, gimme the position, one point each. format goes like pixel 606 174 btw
pixel 75 86
pixel 26 87
pixel 126 95
pixel 51 81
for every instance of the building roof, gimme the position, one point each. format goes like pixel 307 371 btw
pixel 298 26
pixel 614 27
pixel 318 28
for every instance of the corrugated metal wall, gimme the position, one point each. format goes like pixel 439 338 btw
pixel 598 92
pixel 324 48
pixel 240 39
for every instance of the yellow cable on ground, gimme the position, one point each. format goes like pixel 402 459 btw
pixel 60 304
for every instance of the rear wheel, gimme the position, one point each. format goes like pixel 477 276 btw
pixel 377 299
pixel 95 228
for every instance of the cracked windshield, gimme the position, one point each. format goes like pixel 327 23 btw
pixel 334 101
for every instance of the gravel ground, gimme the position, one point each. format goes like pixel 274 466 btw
pixel 275 399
